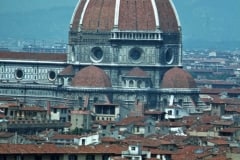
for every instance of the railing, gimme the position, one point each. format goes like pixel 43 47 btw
pixel 137 35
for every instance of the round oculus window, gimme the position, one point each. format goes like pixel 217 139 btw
pixel 19 74
pixel 52 75
pixel 135 54
pixel 169 56
pixel 97 54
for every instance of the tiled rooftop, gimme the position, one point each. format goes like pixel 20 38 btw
pixel 137 72
pixel 53 149
pixel 39 109
pixel 91 76
pixel 4 55
pixel 133 15
pixel 178 78
pixel 130 120
pixel 68 71
pixel 64 136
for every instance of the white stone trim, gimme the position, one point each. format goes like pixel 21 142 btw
pixel 74 13
pixel 116 16
pixel 31 61
pixel 175 12
pixel 83 13
pixel 180 55
pixel 155 13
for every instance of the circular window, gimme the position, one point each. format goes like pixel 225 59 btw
pixel 135 54
pixel 52 75
pixel 19 74
pixel 97 54
pixel 169 56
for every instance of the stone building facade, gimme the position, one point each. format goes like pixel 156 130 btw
pixel 122 52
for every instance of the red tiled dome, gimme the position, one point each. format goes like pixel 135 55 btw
pixel 104 15
pixel 91 76
pixel 178 78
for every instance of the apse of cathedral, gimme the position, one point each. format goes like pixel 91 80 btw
pixel 125 54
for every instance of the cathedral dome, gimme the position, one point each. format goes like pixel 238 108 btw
pixel 91 76
pixel 125 15
pixel 178 78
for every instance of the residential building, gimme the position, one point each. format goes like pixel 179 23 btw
pixel 81 119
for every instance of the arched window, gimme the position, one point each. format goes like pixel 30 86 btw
pixel 139 83
pixel 131 83
pixel 69 81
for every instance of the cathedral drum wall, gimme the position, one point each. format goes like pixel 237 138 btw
pixel 137 55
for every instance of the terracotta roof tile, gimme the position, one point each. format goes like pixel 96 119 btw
pixel 133 15
pixel 118 158
pixel 207 119
pixel 202 128
pixel 229 130
pixel 33 56
pixel 217 91
pixel 53 149
pixel 91 76
pixel 192 152
pixel 137 72
pixel 136 15
pixel 170 124
pixel 6 134
pixel 172 138
pixel 167 17
pixel 99 15
pixel 232 109
pixel 108 140
pixel 217 100
pixel 219 157
pixel 178 78
pixel 218 141
pixel 161 152
pixel 64 136
pixel 130 120
pixel 68 71
pixel 77 15
pixel 2 115
pixel 60 106
pixel 35 138
pixel 232 101
pixel 39 109
pixel 223 122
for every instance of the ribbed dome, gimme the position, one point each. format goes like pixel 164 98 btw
pixel 126 15
pixel 91 76
pixel 178 78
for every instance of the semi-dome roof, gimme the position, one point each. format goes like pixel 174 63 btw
pixel 104 15
pixel 91 76
pixel 137 72
pixel 178 78
pixel 68 71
